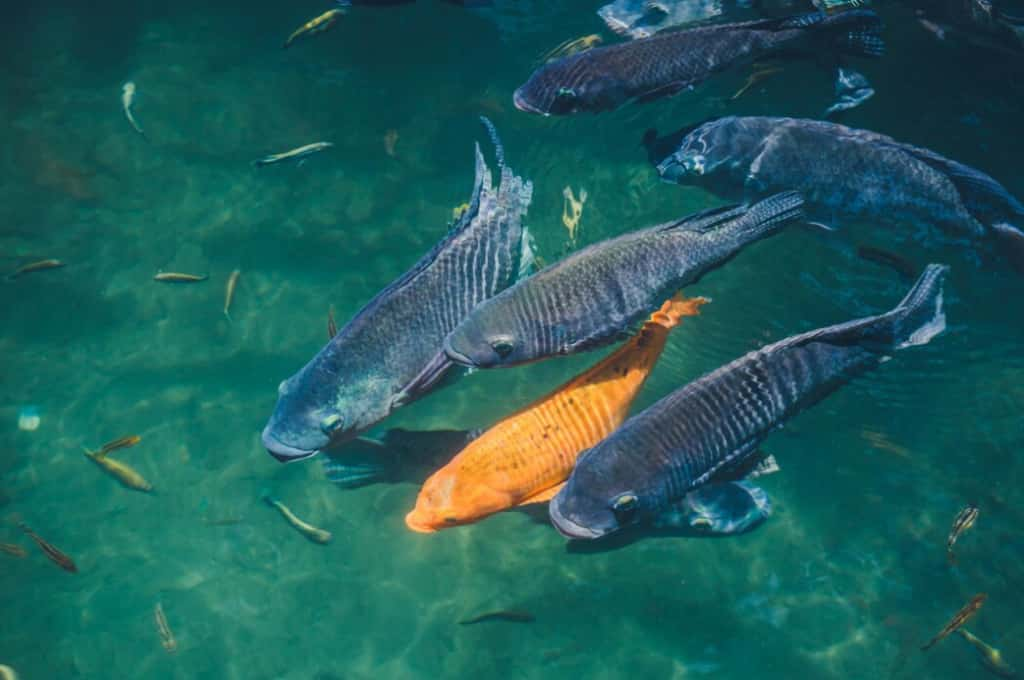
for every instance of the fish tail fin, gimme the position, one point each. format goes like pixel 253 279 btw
pixel 1011 239
pixel 674 309
pixel 856 32
pixel 917 319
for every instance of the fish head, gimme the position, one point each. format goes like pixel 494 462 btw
pixel 706 150
pixel 487 340
pixel 593 504
pixel 564 87
pixel 451 497
pixel 320 407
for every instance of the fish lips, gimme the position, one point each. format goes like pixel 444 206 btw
pixel 569 528
pixel 520 103
pixel 456 356
pixel 282 452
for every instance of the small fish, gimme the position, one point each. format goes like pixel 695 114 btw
pixel 964 520
pixel 166 636
pixel 127 102
pixel 572 46
pixel 120 443
pixel 56 556
pixel 308 530
pixel 991 658
pixel 35 267
pixel 332 328
pixel 299 154
pixel 572 210
pixel 229 292
pixel 178 277
pixel 754 79
pixel 314 26
pixel 13 550
pixel 959 619
pixel 119 471
pixel 881 441
pixel 511 615
pixel 7 673
pixel 390 139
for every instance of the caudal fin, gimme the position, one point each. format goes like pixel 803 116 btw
pixel 917 319
pixel 674 309
pixel 857 31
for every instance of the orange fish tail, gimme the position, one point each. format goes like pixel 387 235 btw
pixel 672 312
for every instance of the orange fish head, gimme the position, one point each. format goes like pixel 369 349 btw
pixel 448 499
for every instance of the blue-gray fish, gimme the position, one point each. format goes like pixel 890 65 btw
pixel 599 293
pixel 843 173
pixel 662 65
pixel 711 429
pixel 390 352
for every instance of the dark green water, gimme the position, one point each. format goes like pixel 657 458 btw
pixel 846 580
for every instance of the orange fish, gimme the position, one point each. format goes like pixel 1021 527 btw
pixel 527 457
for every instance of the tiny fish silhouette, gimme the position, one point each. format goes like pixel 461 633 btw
pixel 56 556
pixel 959 619
pixel 510 615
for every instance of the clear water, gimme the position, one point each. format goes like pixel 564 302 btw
pixel 846 580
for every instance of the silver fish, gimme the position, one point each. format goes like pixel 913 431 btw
pixel 299 154
pixel 127 104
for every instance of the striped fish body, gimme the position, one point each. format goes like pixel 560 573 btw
pixel 713 426
pixel 842 172
pixel 526 457
pixel 390 352
pixel 605 78
pixel 602 292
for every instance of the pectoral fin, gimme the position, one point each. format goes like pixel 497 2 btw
pixel 430 376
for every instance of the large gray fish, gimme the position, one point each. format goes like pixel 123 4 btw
pixel 711 429
pixel 599 293
pixel 842 172
pixel 605 78
pixel 390 352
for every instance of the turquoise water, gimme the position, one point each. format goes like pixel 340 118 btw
pixel 846 580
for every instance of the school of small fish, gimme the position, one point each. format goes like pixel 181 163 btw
pixel 478 301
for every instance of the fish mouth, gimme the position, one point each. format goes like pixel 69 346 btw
pixel 282 452
pixel 413 523
pixel 456 356
pixel 523 105
pixel 569 528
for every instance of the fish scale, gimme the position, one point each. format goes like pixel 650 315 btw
pixel 715 424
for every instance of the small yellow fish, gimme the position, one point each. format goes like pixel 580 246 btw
pixel 964 520
pixel 755 78
pixel 38 266
pixel 166 636
pixel 572 210
pixel 314 26
pixel 229 292
pixel 458 211
pixel 298 154
pixel 308 530
pixel 7 673
pixel 119 471
pixel 178 277
pixel 991 658
pixel 573 46
pixel 120 443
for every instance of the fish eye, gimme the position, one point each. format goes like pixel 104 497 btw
pixel 502 347
pixel 625 506
pixel 330 423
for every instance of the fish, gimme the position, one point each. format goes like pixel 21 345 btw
pixel 164 630
pixel 56 556
pixel 754 78
pixel 596 295
pixel 644 18
pixel 964 520
pixel 7 673
pixel 300 154
pixel 510 615
pixel 229 292
pixel 38 266
pixel 572 210
pixel 991 658
pixel 377 362
pixel 178 277
pixel 119 471
pixel 959 619
pixel 573 46
pixel 308 530
pixel 711 429
pixel 662 65
pixel 332 328
pixel 844 174
pixel 314 26
pixel 526 457
pixel 119 443
pixel 127 104
pixel 13 550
